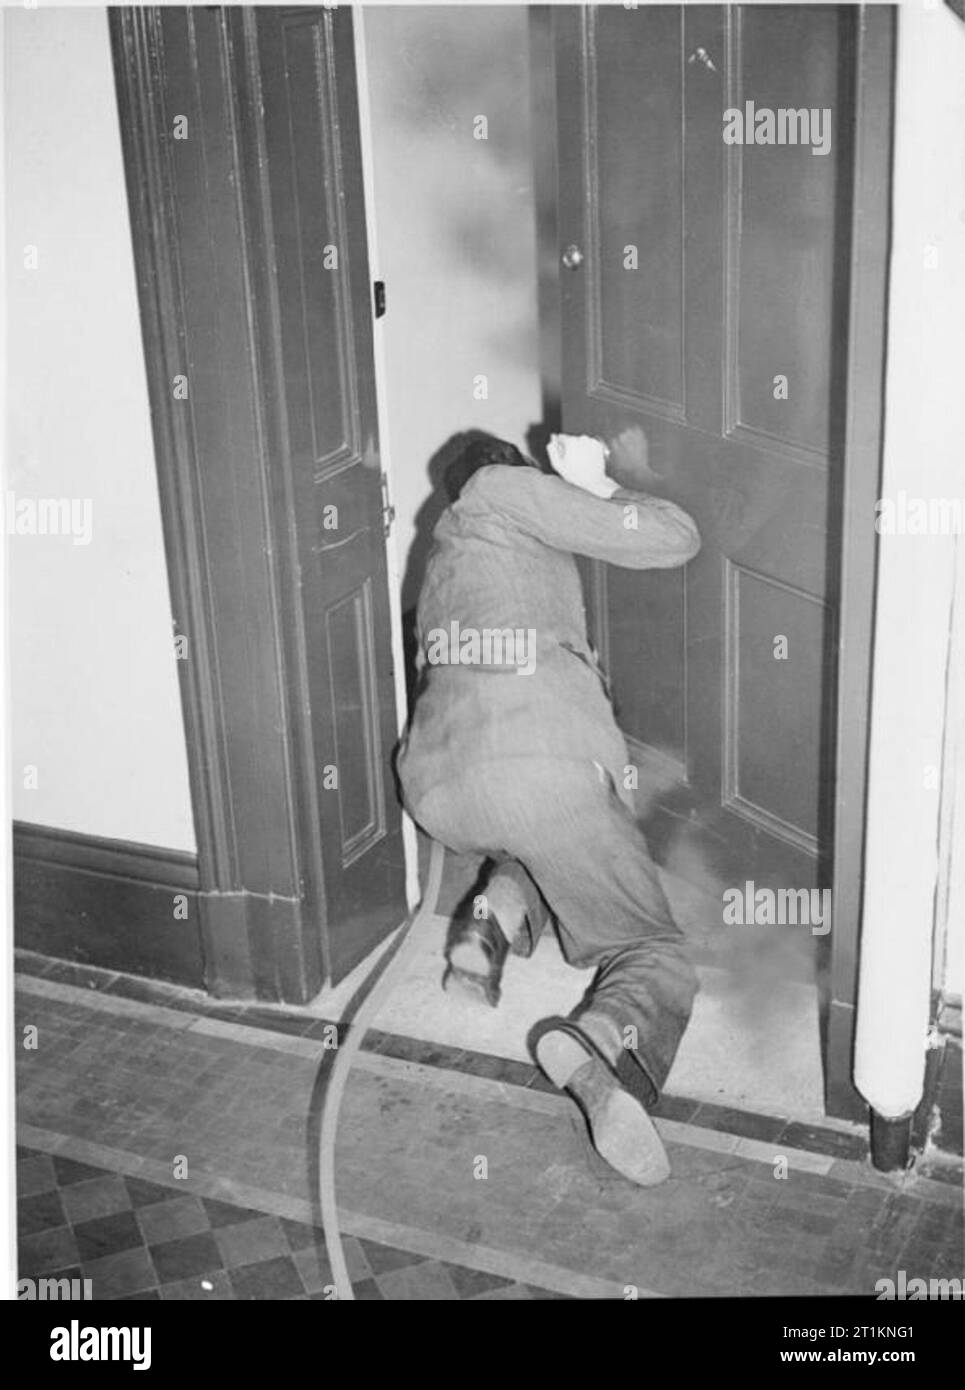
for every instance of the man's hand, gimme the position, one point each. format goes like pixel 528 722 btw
pixel 581 460
pixel 629 455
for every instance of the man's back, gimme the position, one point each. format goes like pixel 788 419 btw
pixel 506 668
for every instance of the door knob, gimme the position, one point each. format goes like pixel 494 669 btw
pixel 572 257
pixel 700 55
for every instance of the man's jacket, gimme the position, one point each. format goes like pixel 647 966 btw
pixel 506 672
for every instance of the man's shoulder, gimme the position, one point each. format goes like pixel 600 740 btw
pixel 499 480
pixel 493 477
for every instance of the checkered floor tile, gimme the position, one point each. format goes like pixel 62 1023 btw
pixel 138 1240
pixel 122 1082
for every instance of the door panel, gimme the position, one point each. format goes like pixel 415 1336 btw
pixel 771 706
pixel 633 182
pixel 737 282
pixel 782 200
pixel 646 653
pixel 324 336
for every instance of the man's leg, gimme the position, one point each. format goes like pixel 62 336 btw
pixel 502 911
pixel 576 838
pixel 514 900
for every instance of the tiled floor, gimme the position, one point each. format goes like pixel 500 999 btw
pixel 167 1152
pixel 135 1239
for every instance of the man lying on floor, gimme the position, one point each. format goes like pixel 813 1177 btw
pixel 513 754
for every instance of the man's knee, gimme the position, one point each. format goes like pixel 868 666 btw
pixel 656 967
pixel 682 979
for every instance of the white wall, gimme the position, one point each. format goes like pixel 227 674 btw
pixel 455 223
pixel 94 695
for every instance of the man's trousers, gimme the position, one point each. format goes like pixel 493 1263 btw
pixel 587 867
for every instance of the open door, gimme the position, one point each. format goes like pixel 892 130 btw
pixel 243 159
pixel 706 295
pixel 322 354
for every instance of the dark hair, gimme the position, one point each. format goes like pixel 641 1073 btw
pixel 481 450
pixel 486 450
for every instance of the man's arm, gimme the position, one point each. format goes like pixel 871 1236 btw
pixel 630 529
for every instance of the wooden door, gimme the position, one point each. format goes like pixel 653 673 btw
pixel 746 676
pixel 709 306
pixel 314 194
pixel 241 139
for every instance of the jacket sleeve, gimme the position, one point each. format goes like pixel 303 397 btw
pixel 630 529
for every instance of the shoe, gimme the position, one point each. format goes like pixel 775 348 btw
pixel 475 961
pixel 622 1132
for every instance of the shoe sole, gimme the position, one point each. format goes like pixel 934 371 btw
pixel 622 1132
pixel 469 974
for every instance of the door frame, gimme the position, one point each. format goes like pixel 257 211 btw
pixel 262 886
pixel 237 915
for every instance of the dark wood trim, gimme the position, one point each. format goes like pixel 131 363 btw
pixel 107 902
pixel 948 1098
pixel 890 1142
pixel 98 854
pixel 948 1015
pixel 860 486
pixel 247 726
pixel 283 496
pixel 134 40
pixel 542 115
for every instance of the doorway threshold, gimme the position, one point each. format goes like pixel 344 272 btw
pixel 747 1048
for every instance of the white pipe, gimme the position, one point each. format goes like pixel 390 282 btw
pixel 950 895
pixel 924 430
pixel 8 1186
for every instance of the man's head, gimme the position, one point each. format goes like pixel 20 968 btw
pixel 486 449
pixel 480 451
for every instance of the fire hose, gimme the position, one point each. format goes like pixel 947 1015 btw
pixel 378 987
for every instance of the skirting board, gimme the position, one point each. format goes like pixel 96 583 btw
pixel 111 903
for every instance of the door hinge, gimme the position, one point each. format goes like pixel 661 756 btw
pixel 378 291
pixel 388 511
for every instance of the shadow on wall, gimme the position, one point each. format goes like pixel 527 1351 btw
pixel 457 94
pixel 455 212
